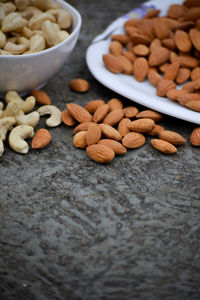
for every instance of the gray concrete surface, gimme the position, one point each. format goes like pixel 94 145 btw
pixel 71 229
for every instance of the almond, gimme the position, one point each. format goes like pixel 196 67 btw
pixel 152 14
pixel 150 114
pixel 123 126
pixel 100 113
pixel 130 111
pixel 122 38
pixel 158 56
pixel 92 106
pixel 163 68
pixel 163 146
pixel 114 117
pixel 137 38
pixel 67 118
pixel 116 48
pixel 191 3
pixel 160 29
pixel 112 63
pixel 156 130
pixel 193 105
pixel 193 86
pixel 140 68
pixel 127 66
pixel 93 134
pixel 195 38
pixel 133 140
pixel 183 75
pixel 195 137
pixel 110 132
pixel 164 86
pixel 115 103
pixel 82 127
pixel 192 14
pixel 100 153
pixel 41 139
pixel 79 85
pixel 153 76
pixel 186 61
pixel 129 55
pixel 188 97
pixel 117 147
pixel 142 125
pixel 176 11
pixel 169 44
pixel 79 113
pixel 195 74
pixel 172 71
pixel 182 41
pixel 41 97
pixel 173 94
pixel 141 50
pixel 172 137
pixel 154 44
pixel 79 139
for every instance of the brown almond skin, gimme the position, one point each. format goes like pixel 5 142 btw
pixel 100 113
pixel 41 97
pixel 79 139
pixel 112 63
pixel 100 153
pixel 172 137
pixel 117 147
pixel 158 56
pixel 110 132
pixel 195 137
pixel 183 75
pixel 193 105
pixel 133 140
pixel 188 97
pixel 172 71
pixel 195 38
pixel 115 103
pixel 163 146
pixel 79 113
pixel 116 48
pixel 142 125
pixel 93 134
pixel 140 69
pixel 173 94
pixel 186 61
pixel 92 106
pixel 123 126
pixel 114 117
pixel 127 66
pixel 156 130
pixel 195 74
pixel 150 114
pixel 141 50
pixel 67 119
pixel 82 127
pixel 41 139
pixel 153 76
pixel 79 85
pixel 122 38
pixel 164 86
pixel 182 41
pixel 130 112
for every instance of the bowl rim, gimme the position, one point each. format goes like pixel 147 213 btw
pixel 51 49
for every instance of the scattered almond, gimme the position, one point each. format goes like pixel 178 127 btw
pixel 151 114
pixel 130 112
pixel 41 97
pixel 79 113
pixel 100 153
pixel 172 137
pixel 123 126
pixel 195 137
pixel 79 85
pixel 93 134
pixel 41 139
pixel 115 103
pixel 114 117
pixel 82 127
pixel 142 125
pixel 117 147
pixel 110 132
pixel 79 139
pixel 100 113
pixel 67 118
pixel 163 146
pixel 92 106
pixel 133 140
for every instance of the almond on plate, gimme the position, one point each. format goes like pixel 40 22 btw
pixel 164 86
pixel 100 153
pixel 140 68
pixel 112 63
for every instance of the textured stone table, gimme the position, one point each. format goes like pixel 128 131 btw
pixel 71 229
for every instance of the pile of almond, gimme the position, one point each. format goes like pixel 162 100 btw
pixel 165 50
pixel 109 129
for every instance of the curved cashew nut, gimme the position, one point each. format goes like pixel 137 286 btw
pixel 64 19
pixel 2 52
pixel 35 22
pixel 27 33
pixel 28 104
pixel 21 4
pixel 30 119
pixel 6 124
pixel 8 7
pixel 13 21
pixel 30 12
pixel 1 105
pixel 13 95
pixel 55 113
pixel 12 109
pixel 45 4
pixel 17 136
pixel 14 48
pixel 37 43
pixel 1 147
pixel 24 41
pixel 51 33
pixel 2 39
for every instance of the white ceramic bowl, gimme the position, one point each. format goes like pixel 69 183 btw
pixel 24 73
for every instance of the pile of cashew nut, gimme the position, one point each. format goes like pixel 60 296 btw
pixel 29 26
pixel 18 120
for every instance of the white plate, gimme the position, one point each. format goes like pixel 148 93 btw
pixel 143 93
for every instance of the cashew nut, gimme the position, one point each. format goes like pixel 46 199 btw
pixel 12 109
pixel 36 21
pixel 5 125
pixel 27 105
pixel 2 52
pixel 37 43
pixel 1 105
pixel 24 41
pixel 1 147
pixel 2 39
pixel 21 4
pixel 13 95
pixel 55 118
pixel 26 32
pixel 30 12
pixel 8 7
pixel 13 21
pixel 30 119
pixel 2 15
pixel 64 19
pixel 45 4
pixel 14 48
pixel 17 136
pixel 50 32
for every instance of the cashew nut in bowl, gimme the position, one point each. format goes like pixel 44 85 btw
pixel 17 136
pixel 37 43
pixel 13 21
pixel 15 48
pixel 6 124
pixel 30 119
pixel 55 118
pixel 21 4
pixel 35 22
pixel 1 105
pixel 45 4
